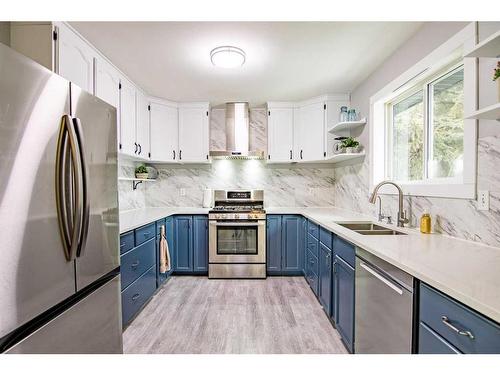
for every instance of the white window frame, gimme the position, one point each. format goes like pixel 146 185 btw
pixel 442 59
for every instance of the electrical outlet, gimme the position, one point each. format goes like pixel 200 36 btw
pixel 483 200
pixel 183 192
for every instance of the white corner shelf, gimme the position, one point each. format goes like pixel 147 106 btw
pixel 346 125
pixel 490 47
pixel 337 158
pixel 136 181
pixel 491 112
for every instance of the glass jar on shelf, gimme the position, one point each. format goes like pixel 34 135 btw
pixel 351 115
pixel 343 117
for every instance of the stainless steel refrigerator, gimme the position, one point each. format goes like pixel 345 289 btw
pixel 59 259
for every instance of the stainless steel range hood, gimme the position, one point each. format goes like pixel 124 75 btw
pixel 237 134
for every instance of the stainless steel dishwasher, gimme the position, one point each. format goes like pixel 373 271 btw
pixel 384 306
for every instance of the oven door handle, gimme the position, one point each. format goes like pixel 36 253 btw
pixel 239 223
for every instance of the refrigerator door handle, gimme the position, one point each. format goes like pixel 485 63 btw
pixel 68 187
pixel 85 178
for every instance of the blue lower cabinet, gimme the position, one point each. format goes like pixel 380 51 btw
pixel 312 270
pixel 126 242
pixel 137 294
pixel 161 277
pixel 169 225
pixel 285 246
pixel 344 301
pixel 292 255
pixel 429 342
pixel 183 244
pixel 135 262
pixel 456 325
pixel 273 244
pixel 325 277
pixel 190 244
pixel 200 244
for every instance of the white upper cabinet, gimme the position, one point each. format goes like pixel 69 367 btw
pixel 280 133
pixel 128 144
pixel 107 88
pixel 310 132
pixel 164 125
pixel 193 132
pixel 107 82
pixel 142 125
pixel 75 59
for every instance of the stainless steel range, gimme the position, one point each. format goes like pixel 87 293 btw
pixel 237 235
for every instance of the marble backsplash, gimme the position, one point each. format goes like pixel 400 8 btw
pixel 183 185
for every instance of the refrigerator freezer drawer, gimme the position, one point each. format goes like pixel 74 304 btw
pixel 92 326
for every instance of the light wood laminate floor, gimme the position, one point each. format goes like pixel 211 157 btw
pixel 196 315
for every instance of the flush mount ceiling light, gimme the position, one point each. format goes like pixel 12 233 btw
pixel 227 57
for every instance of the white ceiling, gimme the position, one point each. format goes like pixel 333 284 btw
pixel 286 61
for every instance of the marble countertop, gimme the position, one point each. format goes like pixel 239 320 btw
pixel 466 271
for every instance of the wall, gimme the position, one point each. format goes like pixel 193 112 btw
pixel 456 217
pixel 284 185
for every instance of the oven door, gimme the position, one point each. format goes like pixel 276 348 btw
pixel 237 241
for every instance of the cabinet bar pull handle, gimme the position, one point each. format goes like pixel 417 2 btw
pixel 135 296
pixel 301 153
pixel 135 143
pixel 290 154
pixel 448 324
pixel 174 154
pixel 135 264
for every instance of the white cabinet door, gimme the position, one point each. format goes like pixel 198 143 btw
pixel 75 59
pixel 107 88
pixel 280 135
pixel 311 132
pixel 142 126
pixel 193 134
pixel 128 118
pixel 107 82
pixel 164 133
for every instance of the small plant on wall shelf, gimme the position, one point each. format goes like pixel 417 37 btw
pixel 141 172
pixel 496 77
pixel 350 145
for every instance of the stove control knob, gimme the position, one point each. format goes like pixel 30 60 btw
pixel 236 216
pixel 223 216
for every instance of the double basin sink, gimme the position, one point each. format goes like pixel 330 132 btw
pixel 371 229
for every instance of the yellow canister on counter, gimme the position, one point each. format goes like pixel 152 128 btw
pixel 425 223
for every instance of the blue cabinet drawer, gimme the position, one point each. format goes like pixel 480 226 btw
pixel 159 223
pixel 429 342
pixel 312 244
pixel 312 263
pixel 137 294
pixel 126 242
pixel 312 269
pixel 446 316
pixel 137 261
pixel 326 237
pixel 144 233
pixel 313 228
pixel 345 250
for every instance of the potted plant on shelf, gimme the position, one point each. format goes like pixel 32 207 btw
pixel 496 77
pixel 141 172
pixel 350 145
